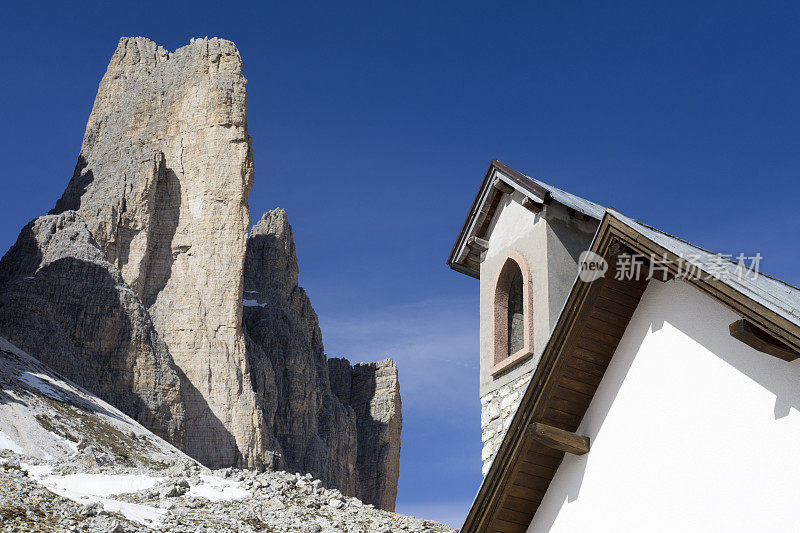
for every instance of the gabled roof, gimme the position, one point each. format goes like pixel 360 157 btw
pixel 500 177
pixel 580 347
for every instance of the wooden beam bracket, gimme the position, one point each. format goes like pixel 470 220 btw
pixel 478 244
pixel 503 187
pixel 532 205
pixel 758 339
pixel 559 439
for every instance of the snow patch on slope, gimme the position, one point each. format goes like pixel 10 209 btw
pixel 42 383
pixel 95 488
pixel 7 444
pixel 216 489
pixel 45 416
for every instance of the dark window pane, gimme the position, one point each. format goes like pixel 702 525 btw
pixel 516 317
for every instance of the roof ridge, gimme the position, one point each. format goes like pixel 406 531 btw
pixel 567 198
pixel 547 185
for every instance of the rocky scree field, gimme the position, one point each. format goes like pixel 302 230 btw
pixel 72 462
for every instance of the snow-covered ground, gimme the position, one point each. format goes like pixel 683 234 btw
pixel 6 443
pixel 216 489
pixel 88 488
pixel 38 496
pixel 45 416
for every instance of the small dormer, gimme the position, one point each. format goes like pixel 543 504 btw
pixel 521 239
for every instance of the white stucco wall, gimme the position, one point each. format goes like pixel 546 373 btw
pixel 513 228
pixel 550 242
pixel 692 431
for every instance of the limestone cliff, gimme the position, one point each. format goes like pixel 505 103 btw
pixel 142 285
pixel 315 431
pixel 61 299
pixel 338 431
pixel 162 183
pixel 373 391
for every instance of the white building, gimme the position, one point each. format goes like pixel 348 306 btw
pixel 663 401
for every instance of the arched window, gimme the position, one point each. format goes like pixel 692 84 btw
pixel 516 318
pixel 512 338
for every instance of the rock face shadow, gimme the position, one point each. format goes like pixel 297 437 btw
pixel 371 391
pixel 166 216
pixel 379 423
pixel 207 428
pixel 78 185
pixel 338 422
pixel 70 309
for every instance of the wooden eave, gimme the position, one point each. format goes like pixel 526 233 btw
pixel 464 258
pixel 758 339
pixel 573 363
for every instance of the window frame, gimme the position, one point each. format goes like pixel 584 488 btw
pixel 501 360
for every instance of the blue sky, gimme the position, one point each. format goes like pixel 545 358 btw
pixel 373 123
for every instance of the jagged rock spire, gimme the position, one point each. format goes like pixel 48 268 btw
pixel 162 182
pixel 165 307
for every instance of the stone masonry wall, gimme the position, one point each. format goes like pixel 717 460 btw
pixel 497 410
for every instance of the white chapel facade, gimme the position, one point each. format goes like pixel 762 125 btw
pixel 668 400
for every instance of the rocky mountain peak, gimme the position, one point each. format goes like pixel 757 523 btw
pixel 143 286
pixel 352 435
pixel 271 261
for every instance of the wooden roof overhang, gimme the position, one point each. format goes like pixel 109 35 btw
pixel 498 180
pixel 573 363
